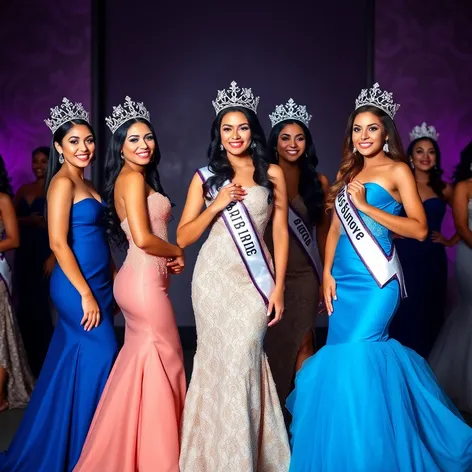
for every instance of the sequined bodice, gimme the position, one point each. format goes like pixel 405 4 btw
pixel 159 210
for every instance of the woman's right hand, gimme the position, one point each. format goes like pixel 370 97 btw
pixel 91 310
pixel 227 194
pixel 329 288
pixel 176 265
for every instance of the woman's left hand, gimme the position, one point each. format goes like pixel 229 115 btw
pixel 357 192
pixel 276 302
pixel 437 237
pixel 176 265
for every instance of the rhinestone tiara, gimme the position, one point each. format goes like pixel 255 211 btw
pixel 125 112
pixel 66 111
pixel 235 97
pixel 378 98
pixel 424 131
pixel 290 111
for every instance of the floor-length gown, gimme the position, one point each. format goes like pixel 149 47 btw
pixel 420 316
pixel 451 357
pixel 364 402
pixel 20 381
pixel 282 341
pixel 31 287
pixel 137 423
pixel 78 362
pixel 232 416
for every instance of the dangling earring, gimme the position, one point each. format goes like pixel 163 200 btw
pixel 122 157
pixel 354 150
pixel 61 158
pixel 412 165
pixel 385 148
pixel 221 147
pixel 253 145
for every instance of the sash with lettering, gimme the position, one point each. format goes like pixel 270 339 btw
pixel 304 237
pixel 240 227
pixel 5 272
pixel 382 266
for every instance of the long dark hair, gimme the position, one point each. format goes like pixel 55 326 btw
pixel 463 170
pixel 309 185
pixel 113 165
pixel 219 163
pixel 435 173
pixel 353 162
pixel 5 185
pixel 53 162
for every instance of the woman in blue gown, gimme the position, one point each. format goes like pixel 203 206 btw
pixel 364 403
pixel 420 316
pixel 83 347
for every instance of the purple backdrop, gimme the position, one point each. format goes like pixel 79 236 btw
pixel 45 55
pixel 423 54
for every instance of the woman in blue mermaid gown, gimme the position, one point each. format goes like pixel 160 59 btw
pixel 364 403
pixel 83 347
pixel 420 316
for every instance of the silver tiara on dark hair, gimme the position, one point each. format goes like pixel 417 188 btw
pixel 235 97
pixel 378 98
pixel 125 112
pixel 424 131
pixel 290 111
pixel 66 111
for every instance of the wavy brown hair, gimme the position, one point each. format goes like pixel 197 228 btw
pixel 353 162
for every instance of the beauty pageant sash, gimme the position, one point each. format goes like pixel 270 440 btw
pixel 240 227
pixel 304 237
pixel 5 272
pixel 382 266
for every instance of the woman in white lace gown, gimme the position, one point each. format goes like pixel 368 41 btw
pixel 232 416
pixel 451 357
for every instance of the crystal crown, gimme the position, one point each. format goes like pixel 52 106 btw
pixel 290 111
pixel 424 131
pixel 235 97
pixel 66 111
pixel 125 112
pixel 377 98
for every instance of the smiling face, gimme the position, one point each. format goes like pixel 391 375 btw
pixel 139 145
pixel 235 133
pixel 291 143
pixel 368 135
pixel 77 146
pixel 39 164
pixel 424 155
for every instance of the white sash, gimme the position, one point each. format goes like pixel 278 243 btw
pixel 304 237
pixel 382 266
pixel 241 229
pixel 5 272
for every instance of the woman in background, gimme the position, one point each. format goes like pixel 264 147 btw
pixel 451 357
pixel 420 316
pixel 16 381
pixel 33 264
pixel 289 343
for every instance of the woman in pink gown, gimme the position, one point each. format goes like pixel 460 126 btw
pixel 137 423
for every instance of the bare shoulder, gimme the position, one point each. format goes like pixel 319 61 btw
pixel 61 184
pixel 5 199
pixel 463 188
pixel 401 169
pixel 132 178
pixel 275 173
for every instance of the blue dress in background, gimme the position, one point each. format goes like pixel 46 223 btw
pixel 420 316
pixel 365 403
pixel 77 365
